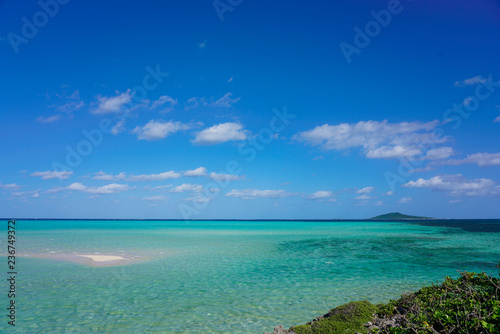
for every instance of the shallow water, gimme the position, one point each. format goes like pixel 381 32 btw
pixel 227 276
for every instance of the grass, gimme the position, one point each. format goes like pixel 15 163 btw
pixel 347 319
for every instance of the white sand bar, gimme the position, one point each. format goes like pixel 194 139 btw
pixel 93 260
pixel 104 258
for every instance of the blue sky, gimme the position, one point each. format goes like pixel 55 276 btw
pixel 249 109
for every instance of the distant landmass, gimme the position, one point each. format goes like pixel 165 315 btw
pixel 397 216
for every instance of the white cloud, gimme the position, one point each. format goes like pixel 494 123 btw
pixel 230 79
pixel 389 193
pixel 365 190
pixel 497 119
pixel 10 186
pixel 114 104
pixel 320 195
pixel 71 106
pixel 363 197
pixel 54 190
pixel 225 102
pixel 199 199
pixel 62 175
pixel 48 119
pixel 377 139
pixel 200 171
pixel 187 187
pixel 103 176
pixel 25 195
pixel 194 102
pixel 220 133
pixel 162 100
pixel 107 189
pixel 157 187
pixel 157 198
pixel 389 152
pixel 255 193
pixel 119 127
pixel 226 177
pixel 202 45
pixel 471 81
pixel 456 185
pixel 158 129
pixel 481 159
pixel 154 177
pixel 439 153
pixel 405 200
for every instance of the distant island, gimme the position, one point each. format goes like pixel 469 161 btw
pixel 397 216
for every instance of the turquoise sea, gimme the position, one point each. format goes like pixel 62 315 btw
pixel 226 276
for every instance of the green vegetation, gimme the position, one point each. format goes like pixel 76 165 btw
pixel 347 318
pixel 468 304
pixel 396 216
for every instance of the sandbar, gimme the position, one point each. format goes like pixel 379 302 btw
pixel 93 260
pixel 104 258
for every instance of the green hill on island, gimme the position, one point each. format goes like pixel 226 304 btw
pixel 396 216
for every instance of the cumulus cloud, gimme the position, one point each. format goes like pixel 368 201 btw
pixel 439 153
pixel 497 119
pixel 322 195
pixel 389 193
pixel 200 171
pixel 255 193
pixel 388 152
pixel 365 190
pixel 158 129
pixel 456 185
pixel 107 189
pixel 103 176
pixel 62 175
pixel 225 102
pixel 376 139
pixel 481 159
pixel 165 102
pixel 471 81
pixel 48 119
pixel 10 186
pixel 194 102
pixel 226 177
pixel 405 200
pixel 220 133
pixel 154 177
pixel 187 187
pixel 114 104
pixel 25 195
pixel 363 197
